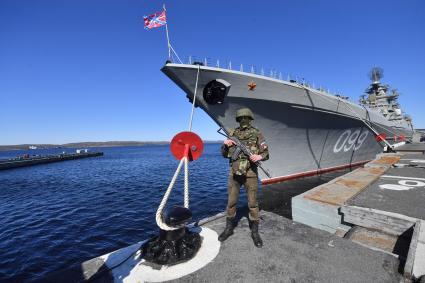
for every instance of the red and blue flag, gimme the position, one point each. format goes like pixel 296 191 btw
pixel 155 20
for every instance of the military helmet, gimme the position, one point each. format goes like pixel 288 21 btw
pixel 244 112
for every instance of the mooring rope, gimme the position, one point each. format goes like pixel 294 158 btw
pixel 164 200
pixel 345 103
pixel 158 217
pixel 186 182
pixel 368 123
pixel 194 99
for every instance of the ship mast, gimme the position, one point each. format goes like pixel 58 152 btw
pixel 378 97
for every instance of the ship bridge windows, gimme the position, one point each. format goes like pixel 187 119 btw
pixel 215 91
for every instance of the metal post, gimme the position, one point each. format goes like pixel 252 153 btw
pixel 168 38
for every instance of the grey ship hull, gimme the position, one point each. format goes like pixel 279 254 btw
pixel 308 132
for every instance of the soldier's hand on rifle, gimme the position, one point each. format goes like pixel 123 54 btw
pixel 255 157
pixel 229 142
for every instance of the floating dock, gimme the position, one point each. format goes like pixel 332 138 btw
pixel 365 226
pixel 36 160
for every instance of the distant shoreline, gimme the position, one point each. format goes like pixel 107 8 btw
pixel 86 145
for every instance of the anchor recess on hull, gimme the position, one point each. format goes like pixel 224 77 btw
pixel 215 91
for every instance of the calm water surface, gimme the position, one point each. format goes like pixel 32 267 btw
pixel 60 214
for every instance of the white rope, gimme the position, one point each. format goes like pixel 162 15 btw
pixel 352 110
pixel 364 120
pixel 186 183
pixel 158 217
pixel 394 133
pixel 369 124
pixel 194 99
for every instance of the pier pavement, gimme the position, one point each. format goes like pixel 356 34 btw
pixel 380 206
pixel 292 252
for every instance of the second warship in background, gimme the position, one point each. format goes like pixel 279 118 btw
pixel 309 131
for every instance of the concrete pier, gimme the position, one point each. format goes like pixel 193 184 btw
pixel 30 161
pixel 380 206
pixel 292 252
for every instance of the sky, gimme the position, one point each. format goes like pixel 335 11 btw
pixel 87 70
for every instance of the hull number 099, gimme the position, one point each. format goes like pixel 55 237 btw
pixel 350 140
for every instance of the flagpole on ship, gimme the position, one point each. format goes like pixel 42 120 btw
pixel 166 31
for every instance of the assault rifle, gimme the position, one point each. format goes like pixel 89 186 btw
pixel 240 147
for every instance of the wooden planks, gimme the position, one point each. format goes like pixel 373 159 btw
pixel 391 223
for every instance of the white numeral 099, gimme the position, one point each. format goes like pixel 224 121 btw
pixel 347 140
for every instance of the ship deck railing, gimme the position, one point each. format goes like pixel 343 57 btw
pixel 254 69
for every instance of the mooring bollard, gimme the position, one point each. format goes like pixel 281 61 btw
pixel 173 246
pixel 176 243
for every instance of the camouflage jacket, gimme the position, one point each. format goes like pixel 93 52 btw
pixel 254 140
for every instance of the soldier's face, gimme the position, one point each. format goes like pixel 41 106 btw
pixel 244 121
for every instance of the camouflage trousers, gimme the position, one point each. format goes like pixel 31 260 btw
pixel 251 187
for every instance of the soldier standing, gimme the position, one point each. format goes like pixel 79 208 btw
pixel 243 171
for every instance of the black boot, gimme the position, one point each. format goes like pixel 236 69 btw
pixel 228 231
pixel 254 234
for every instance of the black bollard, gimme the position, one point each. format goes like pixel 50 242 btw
pixel 175 246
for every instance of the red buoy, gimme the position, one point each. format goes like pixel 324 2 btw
pixel 187 144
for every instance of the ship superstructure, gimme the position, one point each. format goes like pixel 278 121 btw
pixel 378 97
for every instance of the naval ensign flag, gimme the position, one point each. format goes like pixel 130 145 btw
pixel 157 20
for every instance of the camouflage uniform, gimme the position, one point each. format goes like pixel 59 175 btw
pixel 242 171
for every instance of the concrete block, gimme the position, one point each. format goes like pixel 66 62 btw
pixel 419 261
pixel 324 216
pixel 415 262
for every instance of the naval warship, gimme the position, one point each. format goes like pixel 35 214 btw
pixel 309 130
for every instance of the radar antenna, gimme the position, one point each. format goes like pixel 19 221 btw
pixel 376 74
